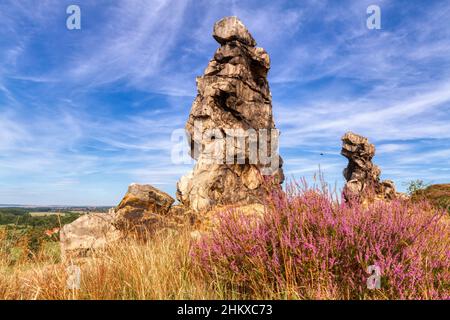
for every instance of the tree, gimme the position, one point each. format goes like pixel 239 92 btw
pixel 415 186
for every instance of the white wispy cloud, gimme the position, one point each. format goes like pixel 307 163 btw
pixel 134 46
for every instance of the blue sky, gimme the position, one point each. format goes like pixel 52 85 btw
pixel 84 113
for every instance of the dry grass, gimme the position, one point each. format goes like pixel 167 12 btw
pixel 159 269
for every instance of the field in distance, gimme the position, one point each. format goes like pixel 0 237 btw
pixel 51 213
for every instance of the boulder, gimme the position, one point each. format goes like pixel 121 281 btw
pixel 141 207
pixel 231 28
pixel 90 231
pixel 231 115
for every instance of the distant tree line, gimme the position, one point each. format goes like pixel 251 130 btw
pixel 23 217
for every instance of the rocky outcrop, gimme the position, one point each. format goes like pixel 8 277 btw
pixel 230 126
pixel 362 176
pixel 143 211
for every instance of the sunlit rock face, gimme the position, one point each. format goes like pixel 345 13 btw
pixel 363 177
pixel 231 125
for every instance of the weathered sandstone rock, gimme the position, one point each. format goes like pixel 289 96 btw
pixel 363 177
pixel 140 203
pixel 231 28
pixel 90 231
pixel 143 210
pixel 228 118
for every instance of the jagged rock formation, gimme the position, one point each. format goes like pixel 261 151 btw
pixel 362 176
pixel 232 94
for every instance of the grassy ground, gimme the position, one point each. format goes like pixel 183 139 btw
pixel 165 267
pixel 160 269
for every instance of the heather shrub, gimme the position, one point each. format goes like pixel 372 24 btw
pixel 312 245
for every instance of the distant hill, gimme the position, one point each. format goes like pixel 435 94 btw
pixel 14 206
pixel 437 194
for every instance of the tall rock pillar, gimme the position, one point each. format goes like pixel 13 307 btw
pixel 362 175
pixel 230 126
